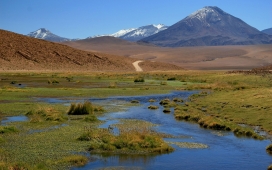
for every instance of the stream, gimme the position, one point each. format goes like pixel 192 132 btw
pixel 225 151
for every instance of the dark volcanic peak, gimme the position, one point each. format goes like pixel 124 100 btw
pixel 45 34
pixel 267 31
pixel 209 26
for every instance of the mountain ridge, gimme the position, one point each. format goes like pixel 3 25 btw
pixel 135 34
pixel 209 26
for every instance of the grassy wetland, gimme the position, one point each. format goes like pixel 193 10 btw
pixel 59 135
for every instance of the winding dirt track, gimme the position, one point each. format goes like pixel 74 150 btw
pixel 136 65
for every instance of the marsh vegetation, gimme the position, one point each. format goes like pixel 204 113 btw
pixel 229 102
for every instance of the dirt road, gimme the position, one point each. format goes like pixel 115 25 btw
pixel 136 65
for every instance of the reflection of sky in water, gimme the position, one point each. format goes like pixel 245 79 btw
pixel 225 150
pixel 10 119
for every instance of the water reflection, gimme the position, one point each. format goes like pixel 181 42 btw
pixel 225 150
pixel 11 119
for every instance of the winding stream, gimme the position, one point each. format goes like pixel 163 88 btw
pixel 225 151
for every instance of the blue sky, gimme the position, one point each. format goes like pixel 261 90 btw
pixel 83 18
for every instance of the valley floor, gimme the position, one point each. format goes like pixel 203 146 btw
pixel 235 102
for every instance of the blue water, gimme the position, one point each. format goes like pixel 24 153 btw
pixel 225 152
pixel 10 119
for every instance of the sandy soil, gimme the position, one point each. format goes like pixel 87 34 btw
pixel 213 57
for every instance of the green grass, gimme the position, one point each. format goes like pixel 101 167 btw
pixel 136 141
pixel 49 147
pixel 8 129
pixel 227 101
pixel 234 99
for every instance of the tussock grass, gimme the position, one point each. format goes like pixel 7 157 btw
pixel 166 110
pixel 135 139
pixel 46 114
pixel 153 107
pixel 81 109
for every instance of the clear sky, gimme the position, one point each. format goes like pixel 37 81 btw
pixel 83 18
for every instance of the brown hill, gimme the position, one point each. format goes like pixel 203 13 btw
pixel 205 57
pixel 18 52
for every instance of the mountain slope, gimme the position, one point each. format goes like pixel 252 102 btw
pixel 45 34
pixel 209 26
pixel 19 52
pixel 267 31
pixel 135 34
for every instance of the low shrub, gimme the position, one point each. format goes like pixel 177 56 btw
pixel 171 79
pixel 81 109
pixel 139 80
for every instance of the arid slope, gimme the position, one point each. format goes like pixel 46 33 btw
pixel 211 58
pixel 18 52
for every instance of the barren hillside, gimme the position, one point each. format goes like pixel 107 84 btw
pixel 212 57
pixel 18 52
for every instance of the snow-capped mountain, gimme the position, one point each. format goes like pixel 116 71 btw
pixel 135 34
pixel 122 32
pixel 143 32
pixel 209 26
pixel 45 34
